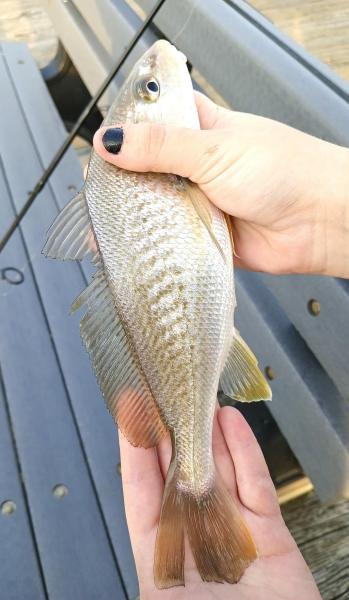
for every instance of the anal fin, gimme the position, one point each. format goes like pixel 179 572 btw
pixel 241 378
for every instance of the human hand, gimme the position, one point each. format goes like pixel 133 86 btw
pixel 280 572
pixel 287 191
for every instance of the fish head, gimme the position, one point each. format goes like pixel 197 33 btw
pixel 158 89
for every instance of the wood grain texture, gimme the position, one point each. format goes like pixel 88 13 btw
pixel 320 26
pixel 27 21
pixel 322 534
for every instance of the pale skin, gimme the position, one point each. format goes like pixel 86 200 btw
pixel 288 194
pixel 280 571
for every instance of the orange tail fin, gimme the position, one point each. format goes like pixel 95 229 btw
pixel 219 539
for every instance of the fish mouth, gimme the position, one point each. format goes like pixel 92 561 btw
pixel 182 56
pixel 164 47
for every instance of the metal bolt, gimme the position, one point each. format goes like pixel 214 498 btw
pixel 269 373
pixel 314 307
pixel 59 491
pixel 8 507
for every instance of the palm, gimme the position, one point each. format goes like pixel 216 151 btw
pixel 272 232
pixel 280 572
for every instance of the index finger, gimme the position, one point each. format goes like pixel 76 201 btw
pixel 255 487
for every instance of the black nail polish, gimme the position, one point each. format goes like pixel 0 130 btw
pixel 112 139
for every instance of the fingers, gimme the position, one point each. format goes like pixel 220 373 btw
pixel 223 458
pixel 163 149
pixel 255 487
pixel 143 485
pixel 164 451
pixel 211 115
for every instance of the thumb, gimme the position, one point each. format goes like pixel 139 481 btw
pixel 161 148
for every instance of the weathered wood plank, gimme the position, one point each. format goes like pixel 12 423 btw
pixel 74 549
pixel 253 72
pixel 94 51
pixel 322 534
pixel 321 26
pixel 326 333
pixel 27 21
pixel 95 425
pixel 19 568
pixel 316 429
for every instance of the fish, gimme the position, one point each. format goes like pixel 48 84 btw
pixel 159 324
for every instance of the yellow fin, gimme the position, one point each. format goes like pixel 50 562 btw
pixel 241 378
pixel 201 205
pixel 220 541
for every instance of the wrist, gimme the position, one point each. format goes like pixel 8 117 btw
pixel 331 212
pixel 337 216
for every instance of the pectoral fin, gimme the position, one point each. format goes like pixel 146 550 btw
pixel 70 236
pixel 241 378
pixel 201 205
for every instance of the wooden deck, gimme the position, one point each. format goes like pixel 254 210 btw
pixel 322 534
pixel 62 510
pixel 320 26
pixel 26 21
pixel 62 525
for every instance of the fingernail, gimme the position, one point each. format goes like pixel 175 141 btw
pixel 112 139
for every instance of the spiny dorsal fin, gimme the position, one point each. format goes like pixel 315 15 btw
pixel 201 205
pixel 120 377
pixel 241 378
pixel 70 235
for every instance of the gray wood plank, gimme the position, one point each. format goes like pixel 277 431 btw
pixel 253 71
pixel 95 425
pixel 327 333
pixel 75 552
pixel 94 39
pixel 19 568
pixel 308 408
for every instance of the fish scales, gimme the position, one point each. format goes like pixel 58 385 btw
pixel 160 321
pixel 166 288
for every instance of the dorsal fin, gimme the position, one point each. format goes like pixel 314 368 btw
pixel 119 374
pixel 70 235
pixel 241 379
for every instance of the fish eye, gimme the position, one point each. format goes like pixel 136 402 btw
pixel 153 86
pixel 148 89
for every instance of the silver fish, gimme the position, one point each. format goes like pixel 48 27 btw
pixel 159 325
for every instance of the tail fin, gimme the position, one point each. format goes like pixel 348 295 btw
pixel 219 539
